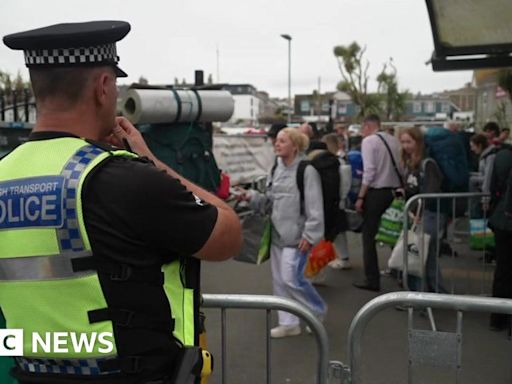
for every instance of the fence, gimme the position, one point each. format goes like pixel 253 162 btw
pixel 17 106
pixel 269 303
pixel 464 270
pixel 425 347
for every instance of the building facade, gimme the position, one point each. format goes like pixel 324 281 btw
pixel 247 104
pixel 492 102
pixel 429 107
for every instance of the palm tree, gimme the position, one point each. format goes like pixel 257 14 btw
pixel 394 100
pixel 354 73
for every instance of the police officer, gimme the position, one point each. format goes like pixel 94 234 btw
pixel 96 243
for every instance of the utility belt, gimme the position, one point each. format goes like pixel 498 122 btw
pixel 192 364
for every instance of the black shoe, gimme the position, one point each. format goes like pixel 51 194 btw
pixel 368 286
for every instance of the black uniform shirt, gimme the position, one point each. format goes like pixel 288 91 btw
pixel 138 214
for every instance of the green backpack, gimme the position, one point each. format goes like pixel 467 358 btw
pixel 186 148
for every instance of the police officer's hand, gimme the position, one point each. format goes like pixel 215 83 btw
pixel 124 132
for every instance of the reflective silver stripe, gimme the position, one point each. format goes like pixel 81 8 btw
pixel 35 268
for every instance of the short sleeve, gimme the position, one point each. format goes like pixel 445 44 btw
pixel 135 201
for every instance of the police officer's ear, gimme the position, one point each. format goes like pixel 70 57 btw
pixel 104 86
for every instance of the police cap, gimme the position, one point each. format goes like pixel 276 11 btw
pixel 71 44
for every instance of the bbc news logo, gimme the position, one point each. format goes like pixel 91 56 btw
pixel 12 342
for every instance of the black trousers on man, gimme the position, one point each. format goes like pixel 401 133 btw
pixel 375 203
pixel 502 284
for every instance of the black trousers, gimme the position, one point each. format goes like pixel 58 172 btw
pixel 375 203
pixel 502 284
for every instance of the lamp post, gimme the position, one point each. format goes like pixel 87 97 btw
pixel 289 38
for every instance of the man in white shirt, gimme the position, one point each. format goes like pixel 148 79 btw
pixel 380 179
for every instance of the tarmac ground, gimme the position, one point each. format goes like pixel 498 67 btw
pixel 486 355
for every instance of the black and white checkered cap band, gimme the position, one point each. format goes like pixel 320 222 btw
pixel 72 56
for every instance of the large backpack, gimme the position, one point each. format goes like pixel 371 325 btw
pixel 355 160
pixel 447 149
pixel 328 167
pixel 186 148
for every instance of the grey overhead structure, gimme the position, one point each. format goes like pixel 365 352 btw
pixel 470 34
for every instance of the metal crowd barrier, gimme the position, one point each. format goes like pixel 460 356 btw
pixel 426 348
pixel 270 303
pixel 484 270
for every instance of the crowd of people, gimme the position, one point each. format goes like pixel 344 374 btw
pixel 98 254
pixel 396 164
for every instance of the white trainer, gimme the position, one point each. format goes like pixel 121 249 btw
pixel 285 331
pixel 340 264
pixel 335 264
pixel 345 264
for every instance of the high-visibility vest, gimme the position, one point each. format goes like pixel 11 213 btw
pixel 47 283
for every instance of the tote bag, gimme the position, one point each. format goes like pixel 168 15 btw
pixel 417 251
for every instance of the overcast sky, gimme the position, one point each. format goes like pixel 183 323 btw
pixel 172 38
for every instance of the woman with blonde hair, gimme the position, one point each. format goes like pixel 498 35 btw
pixel 294 233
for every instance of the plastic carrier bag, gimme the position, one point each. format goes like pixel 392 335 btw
pixel 257 231
pixel 391 223
pixel 321 255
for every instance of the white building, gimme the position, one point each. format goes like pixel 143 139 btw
pixel 247 104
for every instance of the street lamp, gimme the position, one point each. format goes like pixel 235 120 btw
pixel 289 38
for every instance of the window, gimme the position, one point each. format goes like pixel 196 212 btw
pixel 416 107
pixel 342 109
pixel 445 107
pixel 430 107
pixel 304 106
pixel 325 106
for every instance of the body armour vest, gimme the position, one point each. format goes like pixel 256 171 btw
pixel 62 295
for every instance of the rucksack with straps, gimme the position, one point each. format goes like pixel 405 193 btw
pixel 328 167
pixel 447 150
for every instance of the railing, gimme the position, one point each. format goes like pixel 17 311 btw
pixel 437 197
pixel 14 101
pixel 420 300
pixel 270 303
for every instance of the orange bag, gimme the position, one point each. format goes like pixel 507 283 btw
pixel 321 255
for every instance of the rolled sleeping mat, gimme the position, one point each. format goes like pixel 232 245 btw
pixel 152 106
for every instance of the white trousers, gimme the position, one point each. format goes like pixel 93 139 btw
pixel 341 246
pixel 288 281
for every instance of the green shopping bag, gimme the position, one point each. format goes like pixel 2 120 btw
pixel 481 237
pixel 391 223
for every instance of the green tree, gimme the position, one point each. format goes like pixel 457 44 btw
pixel 354 72
pixel 394 101
pixel 5 82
